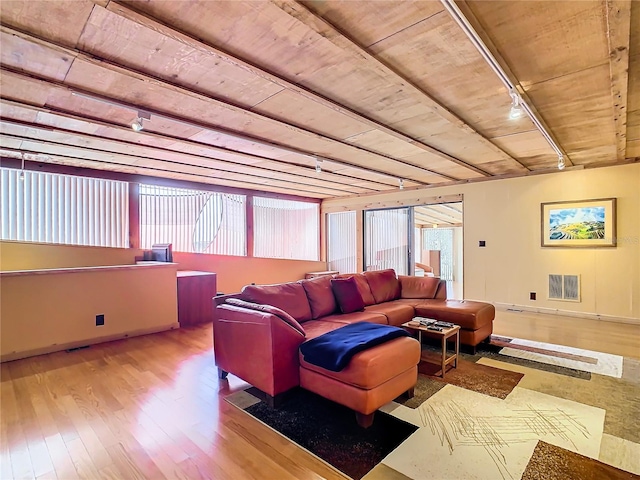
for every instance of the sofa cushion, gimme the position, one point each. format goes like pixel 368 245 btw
pixel 468 314
pixel 397 313
pixel 343 318
pixel 374 366
pixel 261 307
pixel 363 287
pixel 289 297
pixel 384 285
pixel 347 295
pixel 315 328
pixel 418 287
pixel 320 296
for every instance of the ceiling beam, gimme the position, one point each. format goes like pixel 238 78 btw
pixel 324 28
pixel 145 77
pixel 154 24
pixel 10 158
pixel 159 174
pixel 58 149
pixel 52 136
pixel 434 214
pixel 186 121
pixel 429 220
pixel 486 39
pixel 618 16
pixel 221 151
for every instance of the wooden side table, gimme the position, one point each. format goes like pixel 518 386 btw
pixel 444 335
pixel 195 293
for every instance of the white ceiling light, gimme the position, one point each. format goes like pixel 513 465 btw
pixel 560 162
pixel 137 125
pixel 401 181
pixel 516 109
pixel 318 165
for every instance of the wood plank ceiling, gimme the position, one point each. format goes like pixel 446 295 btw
pixel 249 94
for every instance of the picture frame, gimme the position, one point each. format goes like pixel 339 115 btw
pixel 581 223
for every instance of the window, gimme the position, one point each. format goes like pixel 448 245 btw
pixel 193 220
pixel 52 208
pixel 286 229
pixel 341 242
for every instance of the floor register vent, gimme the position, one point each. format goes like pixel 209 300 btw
pixel 564 287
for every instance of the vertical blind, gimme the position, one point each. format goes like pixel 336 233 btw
pixel 193 220
pixel 53 208
pixel 441 239
pixel 387 240
pixel 286 229
pixel 341 242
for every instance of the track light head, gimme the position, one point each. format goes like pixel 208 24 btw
pixel 137 125
pixel 516 108
pixel 318 165
pixel 401 181
pixel 560 162
pixel 515 112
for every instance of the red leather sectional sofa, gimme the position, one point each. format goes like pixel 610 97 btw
pixel 258 332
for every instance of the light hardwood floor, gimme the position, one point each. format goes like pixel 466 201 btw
pixel 598 335
pixel 152 407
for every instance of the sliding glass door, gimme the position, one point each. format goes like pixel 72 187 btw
pixel 387 239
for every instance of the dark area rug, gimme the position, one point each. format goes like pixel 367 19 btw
pixel 330 431
pixel 549 462
pixel 472 376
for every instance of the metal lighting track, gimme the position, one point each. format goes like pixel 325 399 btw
pixel 468 29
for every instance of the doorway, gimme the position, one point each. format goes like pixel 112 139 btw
pixel 438 244
pixel 423 240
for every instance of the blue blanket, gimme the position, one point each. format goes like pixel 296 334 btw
pixel 333 350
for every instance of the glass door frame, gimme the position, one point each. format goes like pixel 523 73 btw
pixel 410 257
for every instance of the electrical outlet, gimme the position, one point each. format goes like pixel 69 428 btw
pixel 532 295
pixel 99 320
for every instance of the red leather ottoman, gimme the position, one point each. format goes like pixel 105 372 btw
pixel 372 378
pixel 475 318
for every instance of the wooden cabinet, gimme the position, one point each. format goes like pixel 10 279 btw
pixel 195 293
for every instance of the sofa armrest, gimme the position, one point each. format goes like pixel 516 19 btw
pixel 422 287
pixel 258 347
pixel 441 294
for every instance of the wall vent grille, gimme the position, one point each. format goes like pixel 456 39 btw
pixel 564 287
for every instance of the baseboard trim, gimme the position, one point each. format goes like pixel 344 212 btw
pixel 565 313
pixel 84 343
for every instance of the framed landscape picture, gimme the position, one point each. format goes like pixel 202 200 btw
pixel 585 223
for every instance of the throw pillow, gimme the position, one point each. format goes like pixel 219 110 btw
pixel 347 294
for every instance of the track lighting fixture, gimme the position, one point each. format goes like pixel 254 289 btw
pixel 137 125
pixel 518 105
pixel 560 162
pixel 318 165
pixel 516 109
pixel 401 184
pixel 21 176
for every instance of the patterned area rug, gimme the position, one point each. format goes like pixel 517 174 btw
pixel 542 410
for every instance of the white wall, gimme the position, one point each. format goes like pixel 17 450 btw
pixel 506 214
